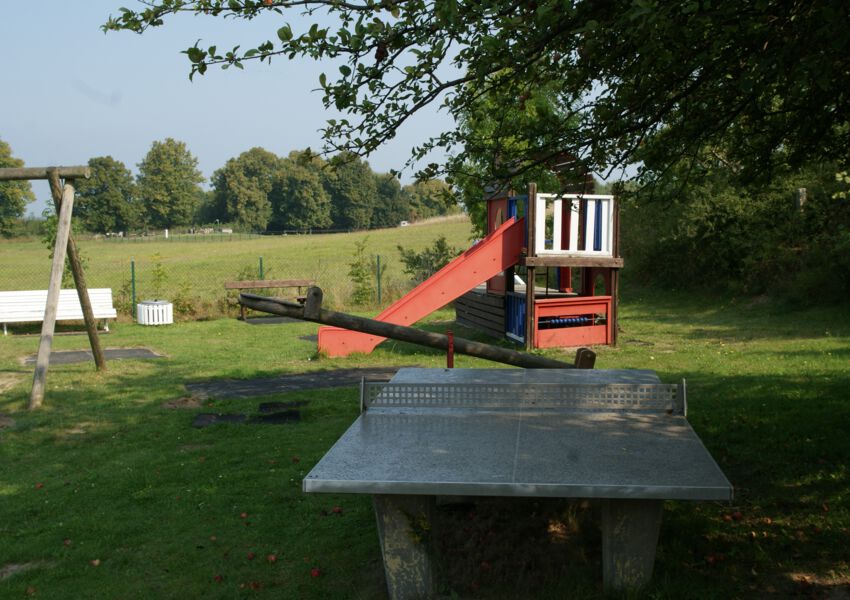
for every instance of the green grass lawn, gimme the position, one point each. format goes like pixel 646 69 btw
pixel 106 493
pixel 196 270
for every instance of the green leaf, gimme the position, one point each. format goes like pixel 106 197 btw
pixel 196 55
pixel 345 70
pixel 285 33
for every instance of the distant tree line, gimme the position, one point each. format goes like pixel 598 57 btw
pixel 260 191
pixel 256 191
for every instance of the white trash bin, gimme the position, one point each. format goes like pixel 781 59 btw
pixel 155 312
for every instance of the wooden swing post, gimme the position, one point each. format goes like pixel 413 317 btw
pixel 63 198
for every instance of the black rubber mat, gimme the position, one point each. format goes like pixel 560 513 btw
pixel 67 357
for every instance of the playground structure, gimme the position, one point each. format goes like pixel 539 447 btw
pixel 61 180
pixel 576 236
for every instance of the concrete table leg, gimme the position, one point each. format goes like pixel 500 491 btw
pixel 629 537
pixel 404 528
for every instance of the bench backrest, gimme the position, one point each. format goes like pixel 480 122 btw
pixel 26 306
pixel 267 283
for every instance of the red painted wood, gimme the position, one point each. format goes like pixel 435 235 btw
pixel 571 336
pixel 492 255
pixel 575 306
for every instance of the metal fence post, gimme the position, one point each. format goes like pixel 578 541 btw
pixel 261 268
pixel 378 275
pixel 133 288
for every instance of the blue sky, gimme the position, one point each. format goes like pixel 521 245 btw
pixel 70 92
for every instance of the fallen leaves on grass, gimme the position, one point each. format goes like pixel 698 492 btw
pixel 251 585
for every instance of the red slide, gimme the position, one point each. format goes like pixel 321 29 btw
pixel 489 257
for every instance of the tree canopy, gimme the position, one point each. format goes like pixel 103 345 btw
pixel 168 184
pixel 14 195
pixel 352 189
pixel 106 201
pixel 299 198
pixel 260 191
pixel 647 82
pixel 393 205
pixel 242 188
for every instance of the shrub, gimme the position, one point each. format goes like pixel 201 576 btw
pixel 421 265
pixel 362 276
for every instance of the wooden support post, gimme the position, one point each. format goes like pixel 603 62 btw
pixel 615 276
pixel 588 286
pixel 79 276
pixel 615 302
pixel 585 358
pixel 313 303
pixel 49 324
pixel 530 220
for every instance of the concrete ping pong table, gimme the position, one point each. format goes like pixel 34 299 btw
pixel 617 436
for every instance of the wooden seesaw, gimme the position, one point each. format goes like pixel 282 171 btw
pixel 312 311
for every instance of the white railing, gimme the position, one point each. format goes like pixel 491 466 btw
pixel 555 244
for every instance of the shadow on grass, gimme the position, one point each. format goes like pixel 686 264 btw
pixel 702 317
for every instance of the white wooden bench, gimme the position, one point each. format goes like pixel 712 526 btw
pixel 27 306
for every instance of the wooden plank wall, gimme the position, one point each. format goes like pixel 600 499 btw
pixel 484 312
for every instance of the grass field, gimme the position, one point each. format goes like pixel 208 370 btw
pixel 108 492
pixel 195 271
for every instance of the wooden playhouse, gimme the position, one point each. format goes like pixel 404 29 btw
pixel 563 289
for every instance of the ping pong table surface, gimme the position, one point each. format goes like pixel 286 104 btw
pixel 521 448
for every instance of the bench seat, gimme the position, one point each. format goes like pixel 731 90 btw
pixel 27 306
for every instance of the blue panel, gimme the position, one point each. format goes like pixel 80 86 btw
pixel 513 211
pixel 513 205
pixel 597 231
pixel 515 316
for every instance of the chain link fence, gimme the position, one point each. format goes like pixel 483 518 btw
pixel 190 271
